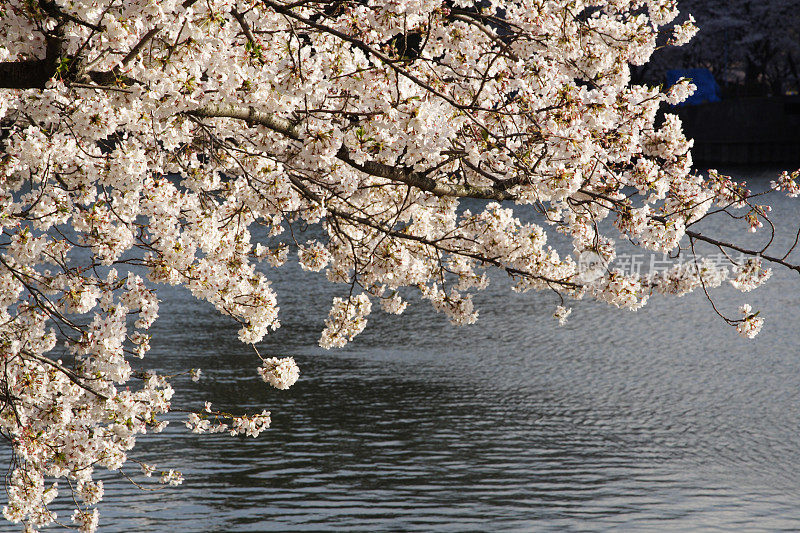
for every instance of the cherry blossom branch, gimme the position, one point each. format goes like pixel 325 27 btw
pixel 373 168
pixel 250 115
pixel 410 236
pixel 700 237
pixel 73 377
pixel 753 253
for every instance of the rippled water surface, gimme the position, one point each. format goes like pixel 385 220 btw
pixel 663 419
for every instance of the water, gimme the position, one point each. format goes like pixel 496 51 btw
pixel 663 419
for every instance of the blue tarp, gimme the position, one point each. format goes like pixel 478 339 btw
pixel 707 88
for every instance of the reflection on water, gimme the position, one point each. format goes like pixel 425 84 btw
pixel 663 419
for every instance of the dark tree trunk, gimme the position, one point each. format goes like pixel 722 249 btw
pixel 26 74
pixel 32 74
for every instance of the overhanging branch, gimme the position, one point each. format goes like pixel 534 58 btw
pixel 410 177
pixel 373 168
pixel 249 115
pixel 700 237
pixel 353 218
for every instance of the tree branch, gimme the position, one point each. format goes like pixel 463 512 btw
pixel 700 237
pixel 753 253
pixel 410 236
pixel 72 376
pixel 250 115
pixel 410 177
pixel 52 9
pixel 373 168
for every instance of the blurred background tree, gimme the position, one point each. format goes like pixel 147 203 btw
pixel 752 47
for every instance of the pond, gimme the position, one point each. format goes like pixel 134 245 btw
pixel 662 419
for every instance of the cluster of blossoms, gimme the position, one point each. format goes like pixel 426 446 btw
pixel 171 477
pixel 562 314
pixel 683 33
pixel 346 320
pixel 143 142
pixel 280 373
pixel 788 182
pixel 249 425
pixel 750 325
pixel 750 275
pixel 680 91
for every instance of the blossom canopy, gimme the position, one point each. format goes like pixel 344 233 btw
pixel 146 142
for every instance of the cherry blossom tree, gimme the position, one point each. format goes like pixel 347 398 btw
pixel 755 43
pixel 145 142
